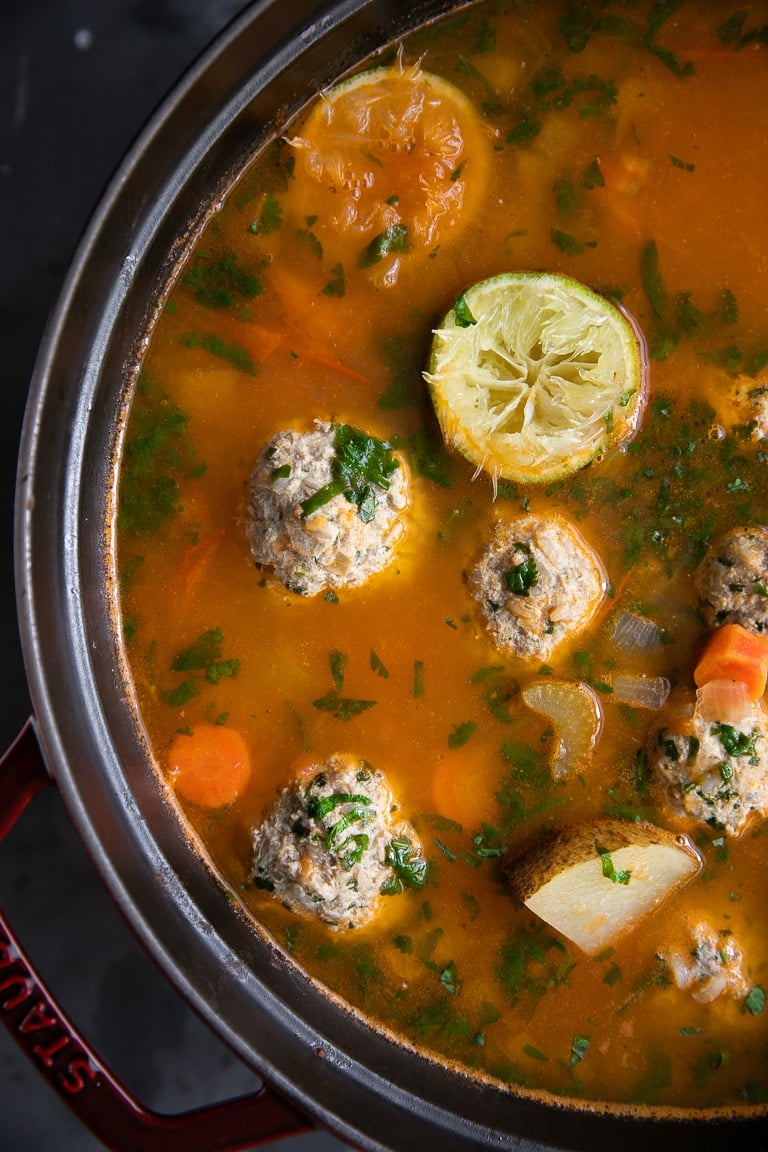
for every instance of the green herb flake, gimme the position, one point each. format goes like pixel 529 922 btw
pixel 378 666
pixel 392 240
pixel 409 868
pixel 337 662
pixel 484 38
pixel 461 734
pixel 579 1049
pixel 157 454
pixel 204 651
pixel 568 243
pixel 620 876
pixel 362 465
pixel 651 280
pixel 592 176
pixel 214 345
pixel 342 707
pixel 336 286
pixel 418 679
pixel 271 217
pixel 755 1001
pixel 221 282
pixel 310 241
pixel 520 578
pixel 685 165
pixel 462 313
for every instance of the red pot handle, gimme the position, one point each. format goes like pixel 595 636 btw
pixel 66 1060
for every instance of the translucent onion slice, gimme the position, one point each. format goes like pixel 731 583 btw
pixel 633 633
pixel 726 701
pixel 576 715
pixel 641 691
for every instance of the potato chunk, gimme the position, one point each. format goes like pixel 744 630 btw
pixel 594 882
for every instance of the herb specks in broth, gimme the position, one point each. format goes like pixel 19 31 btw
pixel 157 455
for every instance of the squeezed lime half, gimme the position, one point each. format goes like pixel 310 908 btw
pixel 533 375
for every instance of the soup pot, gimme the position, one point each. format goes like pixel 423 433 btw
pixel 319 1058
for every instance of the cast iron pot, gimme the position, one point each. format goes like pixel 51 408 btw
pixel 320 1059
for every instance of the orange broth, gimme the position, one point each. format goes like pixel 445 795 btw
pixel 636 164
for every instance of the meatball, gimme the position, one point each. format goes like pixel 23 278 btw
pixel 332 845
pixel 326 507
pixel 711 966
pixel 732 580
pixel 537 583
pixel 714 773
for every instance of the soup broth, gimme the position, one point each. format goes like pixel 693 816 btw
pixel 622 145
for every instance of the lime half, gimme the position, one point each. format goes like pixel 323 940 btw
pixel 533 375
pixel 394 160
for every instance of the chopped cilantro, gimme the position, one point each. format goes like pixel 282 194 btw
pixel 214 345
pixel 409 868
pixel 531 961
pixel 520 578
pixel 463 313
pixel 736 743
pixel 592 177
pixel 484 38
pixel 361 465
pixel 650 278
pixel 342 707
pixel 319 807
pixel 310 241
pixel 569 244
pixel 156 455
pixel 755 1001
pixel 222 282
pixel 461 733
pixel 337 662
pixel 394 239
pixel 336 286
pixel 620 876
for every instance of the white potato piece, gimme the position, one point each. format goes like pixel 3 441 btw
pixel 594 882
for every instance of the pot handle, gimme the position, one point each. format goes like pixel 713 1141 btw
pixel 72 1068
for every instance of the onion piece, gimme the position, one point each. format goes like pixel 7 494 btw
pixel 634 633
pixel 725 700
pixel 576 715
pixel 641 691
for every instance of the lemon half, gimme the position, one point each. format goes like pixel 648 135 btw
pixel 533 375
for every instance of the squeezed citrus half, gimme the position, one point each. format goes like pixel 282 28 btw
pixel 394 160
pixel 533 375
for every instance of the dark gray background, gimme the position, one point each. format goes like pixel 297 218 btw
pixel 78 78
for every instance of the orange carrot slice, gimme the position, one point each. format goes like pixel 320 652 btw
pixel 210 765
pixel 463 789
pixel 734 653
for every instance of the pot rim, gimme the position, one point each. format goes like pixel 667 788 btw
pixel 322 1056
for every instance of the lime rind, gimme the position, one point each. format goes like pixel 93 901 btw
pixel 549 376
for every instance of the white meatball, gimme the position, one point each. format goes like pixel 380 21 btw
pixel 314 519
pixel 714 773
pixel 711 966
pixel 732 580
pixel 332 845
pixel 537 583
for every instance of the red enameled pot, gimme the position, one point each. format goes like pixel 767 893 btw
pixel 320 1060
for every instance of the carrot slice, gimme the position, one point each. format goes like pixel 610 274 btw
pixel 734 653
pixel 463 788
pixel 210 765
